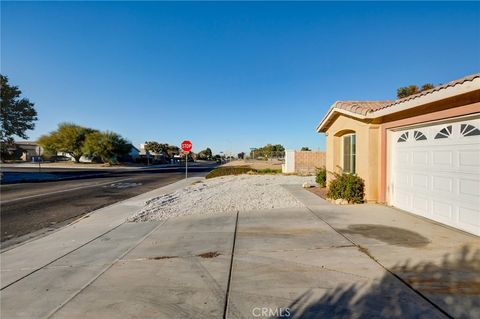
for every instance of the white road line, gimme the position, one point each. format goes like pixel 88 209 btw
pixel 62 191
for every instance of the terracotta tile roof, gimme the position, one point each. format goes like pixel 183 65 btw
pixel 360 107
pixel 468 78
pixel 368 108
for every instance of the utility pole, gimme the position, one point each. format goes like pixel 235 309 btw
pixel 253 152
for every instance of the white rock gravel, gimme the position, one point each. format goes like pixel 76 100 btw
pixel 227 194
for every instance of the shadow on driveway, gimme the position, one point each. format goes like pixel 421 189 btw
pixel 453 284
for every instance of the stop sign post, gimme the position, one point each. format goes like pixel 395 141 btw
pixel 186 147
pixel 38 149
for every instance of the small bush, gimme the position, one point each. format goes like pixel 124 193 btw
pixel 228 170
pixel 268 171
pixel 321 177
pixel 346 186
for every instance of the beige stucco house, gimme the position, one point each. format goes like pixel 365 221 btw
pixel 420 154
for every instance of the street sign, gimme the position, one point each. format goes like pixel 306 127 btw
pixel 186 146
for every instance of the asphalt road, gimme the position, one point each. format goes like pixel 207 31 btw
pixel 32 209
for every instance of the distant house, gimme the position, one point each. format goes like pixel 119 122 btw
pixel 420 153
pixel 83 158
pixel 27 150
pixel 143 151
pixel 134 152
pixel 132 155
pixel 152 156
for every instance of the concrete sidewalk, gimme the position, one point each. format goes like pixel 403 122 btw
pixel 287 263
pixel 284 260
pixel 19 261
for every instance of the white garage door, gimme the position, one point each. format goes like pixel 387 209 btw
pixel 435 172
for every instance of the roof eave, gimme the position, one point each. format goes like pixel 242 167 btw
pixel 321 127
pixel 445 93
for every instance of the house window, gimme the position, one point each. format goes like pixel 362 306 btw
pixel 444 132
pixel 349 152
pixel 403 138
pixel 469 130
pixel 419 136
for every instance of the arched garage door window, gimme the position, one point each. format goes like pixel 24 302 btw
pixel 349 153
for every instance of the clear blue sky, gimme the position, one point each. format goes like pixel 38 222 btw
pixel 226 75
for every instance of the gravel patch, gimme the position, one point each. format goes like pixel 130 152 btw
pixel 224 195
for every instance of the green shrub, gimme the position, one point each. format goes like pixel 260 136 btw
pixel 229 170
pixel 321 178
pixel 346 186
pixel 268 171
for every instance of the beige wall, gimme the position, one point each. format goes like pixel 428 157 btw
pixel 371 158
pixel 307 161
pixel 367 151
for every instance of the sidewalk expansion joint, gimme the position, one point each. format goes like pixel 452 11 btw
pixel 71 297
pixel 58 258
pixel 227 294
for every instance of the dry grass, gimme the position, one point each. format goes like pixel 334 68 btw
pixel 239 170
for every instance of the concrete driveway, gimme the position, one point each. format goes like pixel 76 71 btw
pixel 321 261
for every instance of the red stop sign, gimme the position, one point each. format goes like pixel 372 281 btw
pixel 186 146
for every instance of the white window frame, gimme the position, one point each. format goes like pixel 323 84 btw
pixel 352 169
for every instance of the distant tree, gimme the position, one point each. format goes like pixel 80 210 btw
pixel 305 148
pixel 277 151
pixel 108 146
pixel 68 138
pixel 268 151
pixel 17 115
pixel 208 153
pixel 405 91
pixel 172 150
pixel 202 156
pixel 156 147
pixel 427 86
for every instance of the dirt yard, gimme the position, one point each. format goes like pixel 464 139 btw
pixel 319 191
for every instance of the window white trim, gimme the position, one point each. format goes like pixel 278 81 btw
pixel 353 153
